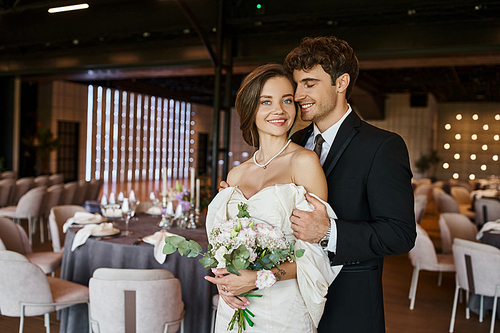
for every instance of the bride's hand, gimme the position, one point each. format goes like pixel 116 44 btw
pixel 232 301
pixel 234 284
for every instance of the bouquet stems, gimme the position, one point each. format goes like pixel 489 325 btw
pixel 241 317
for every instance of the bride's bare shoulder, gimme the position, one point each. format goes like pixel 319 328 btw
pixel 236 173
pixel 303 157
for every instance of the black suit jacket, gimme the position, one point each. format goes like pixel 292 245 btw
pixel 369 188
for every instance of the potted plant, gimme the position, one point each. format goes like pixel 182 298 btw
pixel 43 142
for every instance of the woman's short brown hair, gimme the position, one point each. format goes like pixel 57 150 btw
pixel 248 97
pixel 333 54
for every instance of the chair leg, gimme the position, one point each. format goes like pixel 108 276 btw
pixel 413 289
pixel 30 231
pixel 454 311
pixel 42 231
pixel 467 309
pixel 212 324
pixel 494 312
pixel 440 278
pixel 481 308
pixel 21 321
pixel 47 322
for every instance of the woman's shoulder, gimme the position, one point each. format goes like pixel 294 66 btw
pixel 302 156
pixel 237 172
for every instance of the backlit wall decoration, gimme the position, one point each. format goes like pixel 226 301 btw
pixel 468 140
pixel 131 137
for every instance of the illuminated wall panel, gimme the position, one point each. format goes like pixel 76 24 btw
pixel 132 136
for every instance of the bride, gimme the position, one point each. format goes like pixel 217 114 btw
pixel 273 183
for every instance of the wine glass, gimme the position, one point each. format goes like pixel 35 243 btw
pixel 127 211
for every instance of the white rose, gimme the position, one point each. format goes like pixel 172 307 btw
pixel 265 279
pixel 219 256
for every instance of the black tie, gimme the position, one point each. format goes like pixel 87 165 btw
pixel 319 145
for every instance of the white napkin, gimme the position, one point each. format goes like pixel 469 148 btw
pixel 82 217
pixel 154 210
pixel 83 234
pixel 158 240
pixel 484 193
pixel 178 211
pixel 492 225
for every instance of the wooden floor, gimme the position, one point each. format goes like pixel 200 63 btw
pixel 433 304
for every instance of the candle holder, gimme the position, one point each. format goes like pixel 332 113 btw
pixel 192 217
pixel 166 219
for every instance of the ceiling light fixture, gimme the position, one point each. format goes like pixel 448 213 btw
pixel 68 8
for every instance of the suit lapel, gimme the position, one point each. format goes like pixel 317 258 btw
pixel 346 132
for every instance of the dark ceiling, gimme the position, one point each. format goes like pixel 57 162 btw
pixel 450 48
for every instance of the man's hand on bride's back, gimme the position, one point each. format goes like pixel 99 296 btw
pixel 223 185
pixel 310 226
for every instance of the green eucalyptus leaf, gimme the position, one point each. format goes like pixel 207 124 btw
pixel 174 240
pixel 240 264
pixel 183 247
pixel 195 247
pixel 299 253
pixel 169 248
pixel 208 262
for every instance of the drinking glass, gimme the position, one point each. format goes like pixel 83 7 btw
pixel 127 211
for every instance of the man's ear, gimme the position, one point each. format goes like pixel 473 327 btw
pixel 342 83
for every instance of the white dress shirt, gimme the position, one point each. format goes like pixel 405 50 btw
pixel 328 135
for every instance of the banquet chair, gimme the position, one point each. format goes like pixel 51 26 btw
pixel 28 208
pixel 487 209
pixel 149 300
pixel 463 198
pixel 215 305
pixel 2 245
pixel 15 239
pixel 423 257
pixel 8 175
pixel 27 292
pixel 57 178
pixel 68 193
pixel 94 189
pixel 42 180
pixel 81 192
pixel 52 198
pixel 446 203
pixel 478 272
pixel 22 186
pixel 6 186
pixel 419 206
pixel 57 217
pixel 455 225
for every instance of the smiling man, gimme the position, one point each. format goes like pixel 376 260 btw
pixel 369 186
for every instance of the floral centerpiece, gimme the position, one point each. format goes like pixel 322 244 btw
pixel 241 243
pixel 183 196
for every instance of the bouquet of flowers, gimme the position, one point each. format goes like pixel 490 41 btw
pixel 183 196
pixel 241 243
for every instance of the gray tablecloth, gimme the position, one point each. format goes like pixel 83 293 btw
pixel 78 266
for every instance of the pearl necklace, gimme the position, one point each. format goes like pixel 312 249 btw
pixel 272 158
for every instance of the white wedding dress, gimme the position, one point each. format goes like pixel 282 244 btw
pixel 294 305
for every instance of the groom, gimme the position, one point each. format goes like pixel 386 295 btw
pixel 369 186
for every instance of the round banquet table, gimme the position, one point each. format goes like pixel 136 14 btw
pixel 127 252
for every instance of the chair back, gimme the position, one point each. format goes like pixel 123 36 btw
pixel 455 225
pixel 424 189
pixel 94 189
pixel 57 217
pixel 150 298
pixel 31 203
pixel 423 251
pixel 487 209
pixel 14 237
pixel 446 203
pixel 68 193
pixel 8 175
pixel 52 198
pixel 461 195
pixel 6 186
pixel 419 206
pixel 23 185
pixel 81 192
pixel 42 180
pixel 57 178
pixel 2 245
pixel 22 282
pixel 478 266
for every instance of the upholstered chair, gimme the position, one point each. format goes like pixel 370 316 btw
pixel 68 193
pixel 424 258
pixel 6 187
pixel 455 225
pixel 27 292
pixel 148 299
pixel 57 217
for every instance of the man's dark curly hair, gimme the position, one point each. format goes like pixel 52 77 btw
pixel 333 54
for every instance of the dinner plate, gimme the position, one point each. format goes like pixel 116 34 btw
pixel 107 232
pixel 152 214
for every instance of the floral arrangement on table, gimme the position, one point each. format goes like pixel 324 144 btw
pixel 183 196
pixel 241 243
